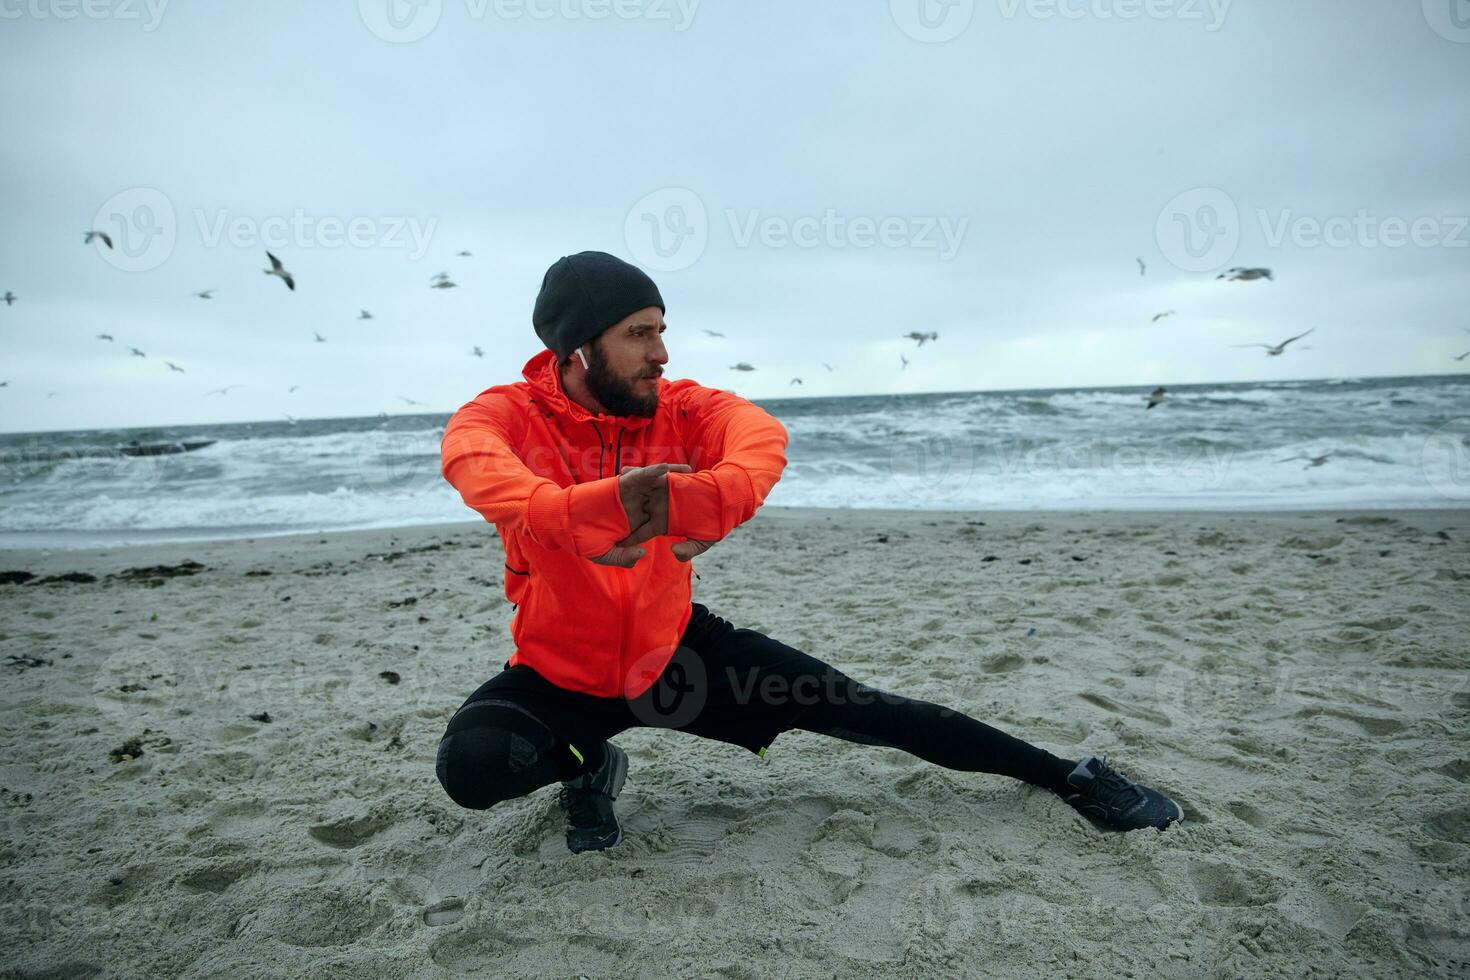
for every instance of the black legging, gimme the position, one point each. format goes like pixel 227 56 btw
pixel 519 733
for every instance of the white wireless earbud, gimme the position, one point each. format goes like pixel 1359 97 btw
pixel 583 358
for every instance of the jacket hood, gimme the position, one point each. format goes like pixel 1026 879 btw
pixel 544 377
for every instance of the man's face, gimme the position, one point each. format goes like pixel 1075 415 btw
pixel 625 361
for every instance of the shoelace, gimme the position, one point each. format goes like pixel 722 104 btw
pixel 1115 785
pixel 579 806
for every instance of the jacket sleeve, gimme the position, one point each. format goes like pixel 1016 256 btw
pixel 478 461
pixel 748 449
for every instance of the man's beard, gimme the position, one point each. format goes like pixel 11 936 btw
pixel 615 394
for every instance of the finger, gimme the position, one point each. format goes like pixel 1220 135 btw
pixel 619 557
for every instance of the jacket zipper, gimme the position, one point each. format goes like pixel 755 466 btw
pixel 601 451
pixel 622 588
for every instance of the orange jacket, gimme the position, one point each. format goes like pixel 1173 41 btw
pixel 544 471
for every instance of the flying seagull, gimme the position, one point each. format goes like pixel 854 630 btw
pixel 795 381
pixel 1160 316
pixel 289 418
pixel 1280 348
pixel 221 391
pixel 1141 267
pixel 104 336
pixel 1156 397
pixel 826 365
pixel 292 389
pixel 319 338
pixel 742 366
pixel 905 361
pixel 1463 356
pixel 921 337
pixel 1241 274
pixel 410 401
pixel 476 351
pixel 440 275
pixel 465 254
pixel 4 384
pixel 205 293
pixel 713 333
pixel 9 298
pixel 174 367
pixel 279 270
pixel 136 352
pixel 443 284
pixel 97 234
pixel 1312 460
pixel 364 315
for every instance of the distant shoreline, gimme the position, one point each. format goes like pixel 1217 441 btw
pixel 17 544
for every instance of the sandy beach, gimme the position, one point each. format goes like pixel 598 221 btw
pixel 226 769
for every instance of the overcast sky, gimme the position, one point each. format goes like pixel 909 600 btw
pixel 812 180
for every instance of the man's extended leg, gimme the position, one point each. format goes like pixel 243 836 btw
pixel 753 687
pixel 855 712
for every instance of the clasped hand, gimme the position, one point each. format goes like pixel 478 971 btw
pixel 645 495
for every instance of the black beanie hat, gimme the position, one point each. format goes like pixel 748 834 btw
pixel 584 294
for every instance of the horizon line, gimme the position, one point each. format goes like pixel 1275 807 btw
pixel 757 401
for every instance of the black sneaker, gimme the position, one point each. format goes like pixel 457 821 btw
pixel 1114 802
pixel 592 824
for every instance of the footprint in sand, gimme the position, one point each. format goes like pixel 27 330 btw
pixel 349 833
pixel 444 913
pixel 1451 825
pixel 1377 727
pixel 1457 769
pixel 1221 884
pixel 1002 663
pixel 1247 813
pixel 1144 714
pixel 216 878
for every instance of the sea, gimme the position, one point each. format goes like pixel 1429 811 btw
pixel 1388 443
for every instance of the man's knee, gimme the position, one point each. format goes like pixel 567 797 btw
pixel 479 767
